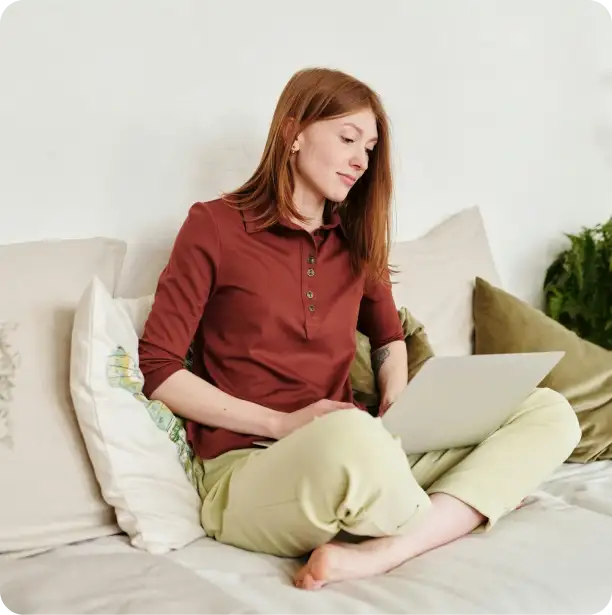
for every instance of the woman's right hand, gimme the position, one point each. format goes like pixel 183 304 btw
pixel 291 421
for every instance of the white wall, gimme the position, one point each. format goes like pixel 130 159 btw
pixel 116 115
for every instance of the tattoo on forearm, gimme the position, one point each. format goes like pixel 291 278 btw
pixel 379 357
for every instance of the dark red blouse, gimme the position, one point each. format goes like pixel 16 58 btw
pixel 272 313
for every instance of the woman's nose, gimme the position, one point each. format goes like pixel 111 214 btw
pixel 360 162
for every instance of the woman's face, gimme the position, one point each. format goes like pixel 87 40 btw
pixel 333 154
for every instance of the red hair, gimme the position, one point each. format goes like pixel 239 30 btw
pixel 312 95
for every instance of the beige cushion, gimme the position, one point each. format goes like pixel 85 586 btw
pixel 504 323
pixel 49 492
pixel 141 269
pixel 436 279
pixel 138 448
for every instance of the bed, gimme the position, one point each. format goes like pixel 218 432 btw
pixel 550 556
pixel 64 551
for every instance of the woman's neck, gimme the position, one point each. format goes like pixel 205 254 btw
pixel 309 205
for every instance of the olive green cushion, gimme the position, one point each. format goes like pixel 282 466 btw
pixel 504 324
pixel 363 380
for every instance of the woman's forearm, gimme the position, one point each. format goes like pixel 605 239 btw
pixel 390 365
pixel 194 399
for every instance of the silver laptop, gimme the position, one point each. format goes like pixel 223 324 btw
pixel 459 401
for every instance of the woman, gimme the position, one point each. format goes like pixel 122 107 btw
pixel 270 282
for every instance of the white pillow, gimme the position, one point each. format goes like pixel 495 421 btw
pixel 50 495
pixel 137 447
pixel 436 279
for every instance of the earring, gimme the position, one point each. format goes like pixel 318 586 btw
pixel 294 148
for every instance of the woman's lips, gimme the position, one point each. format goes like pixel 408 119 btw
pixel 349 180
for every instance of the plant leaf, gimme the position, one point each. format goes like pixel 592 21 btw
pixel 555 304
pixel 578 284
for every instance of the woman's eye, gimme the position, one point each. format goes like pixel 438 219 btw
pixel 347 140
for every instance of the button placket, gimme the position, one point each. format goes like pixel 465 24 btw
pixel 311 259
pixel 309 293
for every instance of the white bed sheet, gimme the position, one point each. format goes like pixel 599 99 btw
pixel 588 486
pixel 551 556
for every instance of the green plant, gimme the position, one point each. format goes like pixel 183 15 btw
pixel 578 285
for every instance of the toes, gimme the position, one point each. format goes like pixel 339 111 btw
pixel 313 575
pixel 306 581
pixel 299 578
pixel 298 581
pixel 304 578
pixel 311 584
pixel 316 584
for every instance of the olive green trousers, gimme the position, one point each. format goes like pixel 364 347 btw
pixel 346 472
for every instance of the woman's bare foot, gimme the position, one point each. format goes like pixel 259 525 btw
pixel 338 561
pixel 447 520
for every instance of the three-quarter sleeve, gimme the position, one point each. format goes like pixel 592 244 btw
pixel 181 295
pixel 378 317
